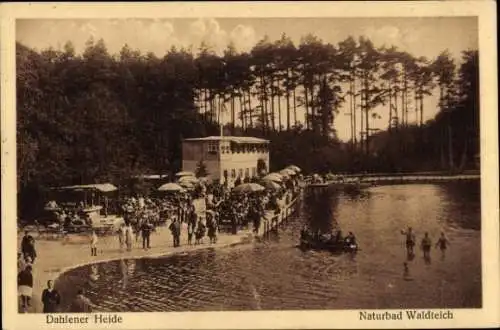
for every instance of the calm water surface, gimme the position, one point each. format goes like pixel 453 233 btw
pixel 275 275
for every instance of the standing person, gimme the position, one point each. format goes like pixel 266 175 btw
pixel 25 287
pixel 191 224
pixel 426 247
pixel 121 236
pixel 28 246
pixel 212 227
pixel 443 244
pixel 81 304
pixel 129 237
pixel 21 262
pixel 175 229
pixel 146 234
pixel 258 213
pixel 50 298
pixel 200 232
pixel 93 244
pixel 410 240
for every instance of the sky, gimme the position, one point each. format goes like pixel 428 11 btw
pixel 419 36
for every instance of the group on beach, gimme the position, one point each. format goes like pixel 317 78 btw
pixel 225 210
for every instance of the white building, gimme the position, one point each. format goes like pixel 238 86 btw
pixel 225 156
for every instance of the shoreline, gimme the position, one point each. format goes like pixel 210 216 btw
pixel 51 264
pixel 53 268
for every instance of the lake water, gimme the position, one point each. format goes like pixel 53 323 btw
pixel 276 275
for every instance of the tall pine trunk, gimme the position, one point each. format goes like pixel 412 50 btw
pixel 451 163
pixel 389 127
pixel 262 105
pixel 250 110
pixel 367 117
pixel 233 115
pixel 398 119
pixel 273 113
pixel 351 112
pixel 242 112
pixel 287 100
pixel 306 106
pixel 354 114
pixel 294 108
pixel 421 108
pixel 279 112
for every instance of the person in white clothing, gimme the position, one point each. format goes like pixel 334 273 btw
pixel 93 244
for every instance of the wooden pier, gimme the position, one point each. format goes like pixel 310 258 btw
pixel 361 182
pixel 271 222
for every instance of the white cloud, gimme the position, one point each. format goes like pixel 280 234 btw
pixel 386 35
pixel 243 37
pixel 208 30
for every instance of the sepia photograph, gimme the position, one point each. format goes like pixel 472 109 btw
pixel 235 164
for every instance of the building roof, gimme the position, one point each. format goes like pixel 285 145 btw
pixel 103 187
pixel 235 139
pixel 151 176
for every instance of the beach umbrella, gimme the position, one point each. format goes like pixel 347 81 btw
pixel 186 184
pixel 287 171
pixel 271 185
pixel 171 187
pixel 273 177
pixel 184 173
pixel 295 168
pixel 248 187
pixel 190 179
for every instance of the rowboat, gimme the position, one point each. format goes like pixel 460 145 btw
pixel 331 246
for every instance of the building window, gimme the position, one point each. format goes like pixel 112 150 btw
pixel 247 173
pixel 254 171
pixel 240 173
pixel 233 173
pixel 213 148
pixel 225 174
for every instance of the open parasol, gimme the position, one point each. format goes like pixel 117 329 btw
pixel 294 168
pixel 248 187
pixel 190 179
pixel 184 173
pixel 171 187
pixel 271 185
pixel 186 184
pixel 287 172
pixel 275 177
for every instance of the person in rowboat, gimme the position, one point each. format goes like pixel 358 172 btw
pixel 350 241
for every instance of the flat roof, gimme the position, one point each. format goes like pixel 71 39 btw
pixel 236 139
pixel 104 187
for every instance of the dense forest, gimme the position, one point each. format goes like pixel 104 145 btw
pixel 95 117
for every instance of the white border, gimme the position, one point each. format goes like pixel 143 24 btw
pixel 485 10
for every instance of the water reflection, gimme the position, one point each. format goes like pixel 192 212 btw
pixel 94 273
pixel 124 272
pixel 274 274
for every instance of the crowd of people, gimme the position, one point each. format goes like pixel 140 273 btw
pixel 222 210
